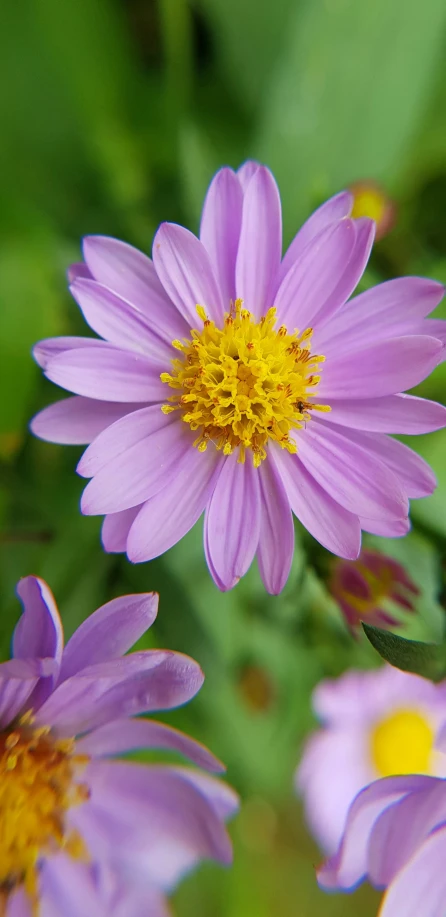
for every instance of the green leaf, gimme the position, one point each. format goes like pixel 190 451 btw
pixel 426 659
pixel 346 99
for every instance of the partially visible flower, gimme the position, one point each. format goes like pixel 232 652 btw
pixel 236 383
pixel 82 834
pixel 370 200
pixel 395 837
pixel 375 724
pixel 371 589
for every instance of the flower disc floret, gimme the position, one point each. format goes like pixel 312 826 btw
pixel 37 787
pixel 245 383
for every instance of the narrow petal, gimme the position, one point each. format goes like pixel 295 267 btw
pixel 246 171
pixel 400 831
pixel 420 888
pixel 126 735
pixel 391 414
pixel 14 692
pixel 67 887
pixel 220 229
pixel 185 271
pixel 39 632
pixel 415 475
pixel 333 210
pixel 223 798
pixel 117 437
pixel 109 632
pixel 178 504
pixel 107 373
pixel 310 285
pixel 115 529
pixel 139 473
pixel 381 369
pixel 118 322
pixel 386 528
pixel 332 525
pixel 260 246
pixel 19 904
pixel 350 473
pixel 132 276
pixel 77 420
pixel 379 312
pixel 45 350
pixel 350 864
pixel 78 270
pixel 139 683
pixel 276 540
pixel 233 520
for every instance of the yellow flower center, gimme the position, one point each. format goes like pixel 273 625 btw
pixel 37 787
pixel 402 743
pixel 245 383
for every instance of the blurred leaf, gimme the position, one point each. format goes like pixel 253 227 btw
pixel 346 98
pixel 426 659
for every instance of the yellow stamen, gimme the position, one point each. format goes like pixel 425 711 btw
pixel 244 384
pixel 402 743
pixel 38 784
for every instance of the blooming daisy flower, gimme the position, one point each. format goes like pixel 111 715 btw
pixel 82 834
pixel 375 724
pixel 233 382
pixel 395 837
pixel 372 589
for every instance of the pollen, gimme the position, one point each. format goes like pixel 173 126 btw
pixel 38 784
pixel 245 384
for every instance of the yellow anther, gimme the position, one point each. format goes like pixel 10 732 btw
pixel 245 383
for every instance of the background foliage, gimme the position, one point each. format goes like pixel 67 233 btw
pixel 115 114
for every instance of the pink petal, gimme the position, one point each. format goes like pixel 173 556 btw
pixel 351 474
pixel 15 689
pixel 420 888
pixel 78 270
pixel 333 210
pixel 126 735
pixel 390 414
pixel 138 473
pixel 39 632
pixel 77 420
pixel 224 800
pixel 109 632
pixel 381 369
pixel 380 311
pixel 220 229
pixel 415 475
pixel 115 529
pixel 309 288
pixel 386 528
pixel 120 323
pixel 172 512
pixel 131 275
pixel 350 864
pixel 332 525
pixel 67 887
pixel 107 373
pixel 232 520
pixel 260 245
pixel 246 171
pixel 118 437
pixel 19 904
pixel 185 270
pixel 45 350
pixel 276 540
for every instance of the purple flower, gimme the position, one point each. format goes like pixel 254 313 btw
pixel 372 588
pixel 375 724
pixel 204 397
pixel 82 834
pixel 396 837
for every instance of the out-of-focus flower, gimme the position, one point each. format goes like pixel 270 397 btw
pixel 235 382
pixel 80 834
pixel 370 200
pixel 370 588
pixel 395 836
pixel 375 724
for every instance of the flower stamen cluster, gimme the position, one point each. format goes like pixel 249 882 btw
pixel 244 384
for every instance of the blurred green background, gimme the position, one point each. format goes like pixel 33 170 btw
pixel 114 115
